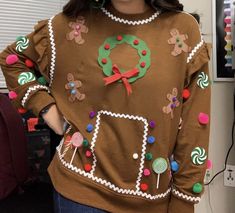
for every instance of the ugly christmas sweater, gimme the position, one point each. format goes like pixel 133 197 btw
pixel 135 92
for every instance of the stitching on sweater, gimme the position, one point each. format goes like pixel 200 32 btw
pixel 195 49
pixel 108 184
pixel 184 196
pixel 124 21
pixel 31 90
pixel 53 50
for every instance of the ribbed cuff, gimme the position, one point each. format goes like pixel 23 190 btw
pixel 177 205
pixel 38 101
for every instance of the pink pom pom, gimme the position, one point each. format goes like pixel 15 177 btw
pixel 147 172
pixel 12 59
pixel 209 164
pixel 203 118
pixel 12 95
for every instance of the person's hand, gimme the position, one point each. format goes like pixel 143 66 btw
pixel 54 119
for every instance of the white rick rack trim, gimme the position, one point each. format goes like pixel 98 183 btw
pixel 108 184
pixel 186 197
pixel 33 90
pixel 53 50
pixel 124 21
pixel 195 49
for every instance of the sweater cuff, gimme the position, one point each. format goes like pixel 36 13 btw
pixel 177 205
pixel 38 101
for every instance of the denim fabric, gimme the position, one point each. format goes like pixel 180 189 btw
pixel 64 205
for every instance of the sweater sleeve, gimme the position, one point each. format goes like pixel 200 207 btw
pixel 25 66
pixel 191 149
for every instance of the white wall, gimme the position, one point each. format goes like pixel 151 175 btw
pixel 222 198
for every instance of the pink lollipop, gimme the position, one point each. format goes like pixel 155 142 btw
pixel 77 141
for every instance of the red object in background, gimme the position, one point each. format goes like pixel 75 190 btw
pixel 31 124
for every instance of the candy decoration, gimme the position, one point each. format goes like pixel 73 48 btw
pixel 88 154
pixel 87 167
pixel 12 95
pixel 197 188
pixel 203 80
pixel 209 164
pixel 152 124
pixel 198 156
pixel 159 166
pixel 174 166
pixel 92 114
pixel 22 44
pixel 149 156
pixel 89 128
pixel 85 143
pixel 77 141
pixel 41 80
pixel 203 118
pixel 144 187
pixel 26 77
pixel 12 59
pixel 22 110
pixel 135 156
pixel 186 94
pixel 147 172
pixel 29 63
pixel 151 139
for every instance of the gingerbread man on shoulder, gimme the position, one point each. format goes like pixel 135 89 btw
pixel 179 41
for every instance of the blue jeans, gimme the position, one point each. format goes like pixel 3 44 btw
pixel 64 205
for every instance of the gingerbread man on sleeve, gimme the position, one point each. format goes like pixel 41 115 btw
pixel 179 41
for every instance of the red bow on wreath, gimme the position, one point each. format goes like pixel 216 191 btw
pixel 124 76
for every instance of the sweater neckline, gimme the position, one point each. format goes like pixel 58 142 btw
pixel 131 19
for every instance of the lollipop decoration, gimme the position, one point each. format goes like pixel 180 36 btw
pixel 159 166
pixel 203 80
pixel 77 142
pixel 198 156
pixel 22 44
pixel 26 77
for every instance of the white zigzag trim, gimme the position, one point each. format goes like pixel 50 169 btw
pixel 53 50
pixel 186 197
pixel 195 49
pixel 108 184
pixel 124 21
pixel 33 89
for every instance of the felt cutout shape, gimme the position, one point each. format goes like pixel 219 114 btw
pixel 26 77
pixel 178 40
pixel 78 27
pixel 73 86
pixel 22 43
pixel 198 156
pixel 174 102
pixel 203 80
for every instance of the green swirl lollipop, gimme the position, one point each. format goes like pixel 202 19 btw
pixel 159 166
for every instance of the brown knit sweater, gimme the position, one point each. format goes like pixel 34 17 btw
pixel 135 92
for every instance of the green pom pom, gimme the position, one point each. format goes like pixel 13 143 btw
pixel 197 188
pixel 42 81
pixel 85 143
pixel 149 156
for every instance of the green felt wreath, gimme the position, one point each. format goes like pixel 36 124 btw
pixel 111 42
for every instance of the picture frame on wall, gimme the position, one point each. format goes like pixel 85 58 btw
pixel 223 42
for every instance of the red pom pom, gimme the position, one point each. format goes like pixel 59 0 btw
pixel 144 52
pixel 12 95
pixel 142 64
pixel 87 167
pixel 29 63
pixel 107 46
pixel 104 61
pixel 119 38
pixel 136 42
pixel 88 154
pixel 144 186
pixel 186 94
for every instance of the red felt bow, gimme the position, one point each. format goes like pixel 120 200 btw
pixel 124 76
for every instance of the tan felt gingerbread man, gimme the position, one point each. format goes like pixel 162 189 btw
pixel 78 28
pixel 174 102
pixel 179 41
pixel 73 86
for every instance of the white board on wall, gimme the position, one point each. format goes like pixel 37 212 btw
pixel 17 17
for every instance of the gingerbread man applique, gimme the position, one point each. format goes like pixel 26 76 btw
pixel 179 41
pixel 174 102
pixel 78 27
pixel 73 86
